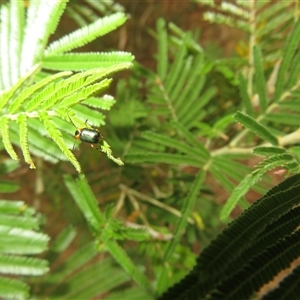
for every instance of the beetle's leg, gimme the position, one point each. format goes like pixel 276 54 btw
pixel 95 147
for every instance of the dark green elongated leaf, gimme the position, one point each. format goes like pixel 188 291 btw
pixel 184 108
pixel 193 46
pixel 191 139
pixel 82 194
pixel 288 52
pixel 294 71
pixel 166 158
pixel 85 284
pixel 290 106
pixel 174 143
pixel 64 239
pixel 251 179
pixel 134 293
pixel 196 112
pixel 288 288
pixel 188 204
pixel 256 127
pixel 175 70
pixel 270 25
pixel 8 186
pixel 244 95
pixel 13 289
pixel 260 82
pixel 195 78
pixel 271 10
pixel 162 62
pixel 260 270
pixel 76 261
pixel 284 118
pixel 217 260
pixel 126 263
pixel 85 61
pixel 8 166
pixel 220 176
pixel 268 150
pixel 182 79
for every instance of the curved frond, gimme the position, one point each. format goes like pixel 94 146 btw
pixel 13 289
pixel 85 61
pixel 56 135
pixel 22 120
pixel 223 256
pixel 18 238
pixel 84 35
pixel 4 126
pixel 266 165
pixel 28 92
pixel 42 19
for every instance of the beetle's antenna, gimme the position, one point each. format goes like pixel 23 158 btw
pixel 71 120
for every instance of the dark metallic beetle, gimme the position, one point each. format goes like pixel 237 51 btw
pixel 91 136
pixel 88 135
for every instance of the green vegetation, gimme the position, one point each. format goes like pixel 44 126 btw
pixel 122 219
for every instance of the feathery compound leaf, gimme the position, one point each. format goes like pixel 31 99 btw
pixel 126 263
pixel 13 289
pixel 105 148
pixel 86 201
pixel 17 16
pixel 42 19
pixel 55 134
pixel 162 62
pixel 288 52
pixel 268 150
pixel 266 165
pixel 244 95
pixel 174 143
pixel 85 61
pixel 84 35
pixel 6 139
pixel 6 95
pixel 22 120
pixel 188 205
pixel 256 127
pixel 164 158
pixel 22 241
pixel 80 96
pixel 18 265
pixel 28 92
pixel 260 81
pixel 106 102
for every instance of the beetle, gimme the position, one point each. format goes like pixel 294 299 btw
pixel 91 136
pixel 88 135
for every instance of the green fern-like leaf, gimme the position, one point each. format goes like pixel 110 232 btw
pixel 55 134
pixel 85 61
pixel 4 123
pixel 274 161
pixel 19 238
pixel 84 35
pixel 22 120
